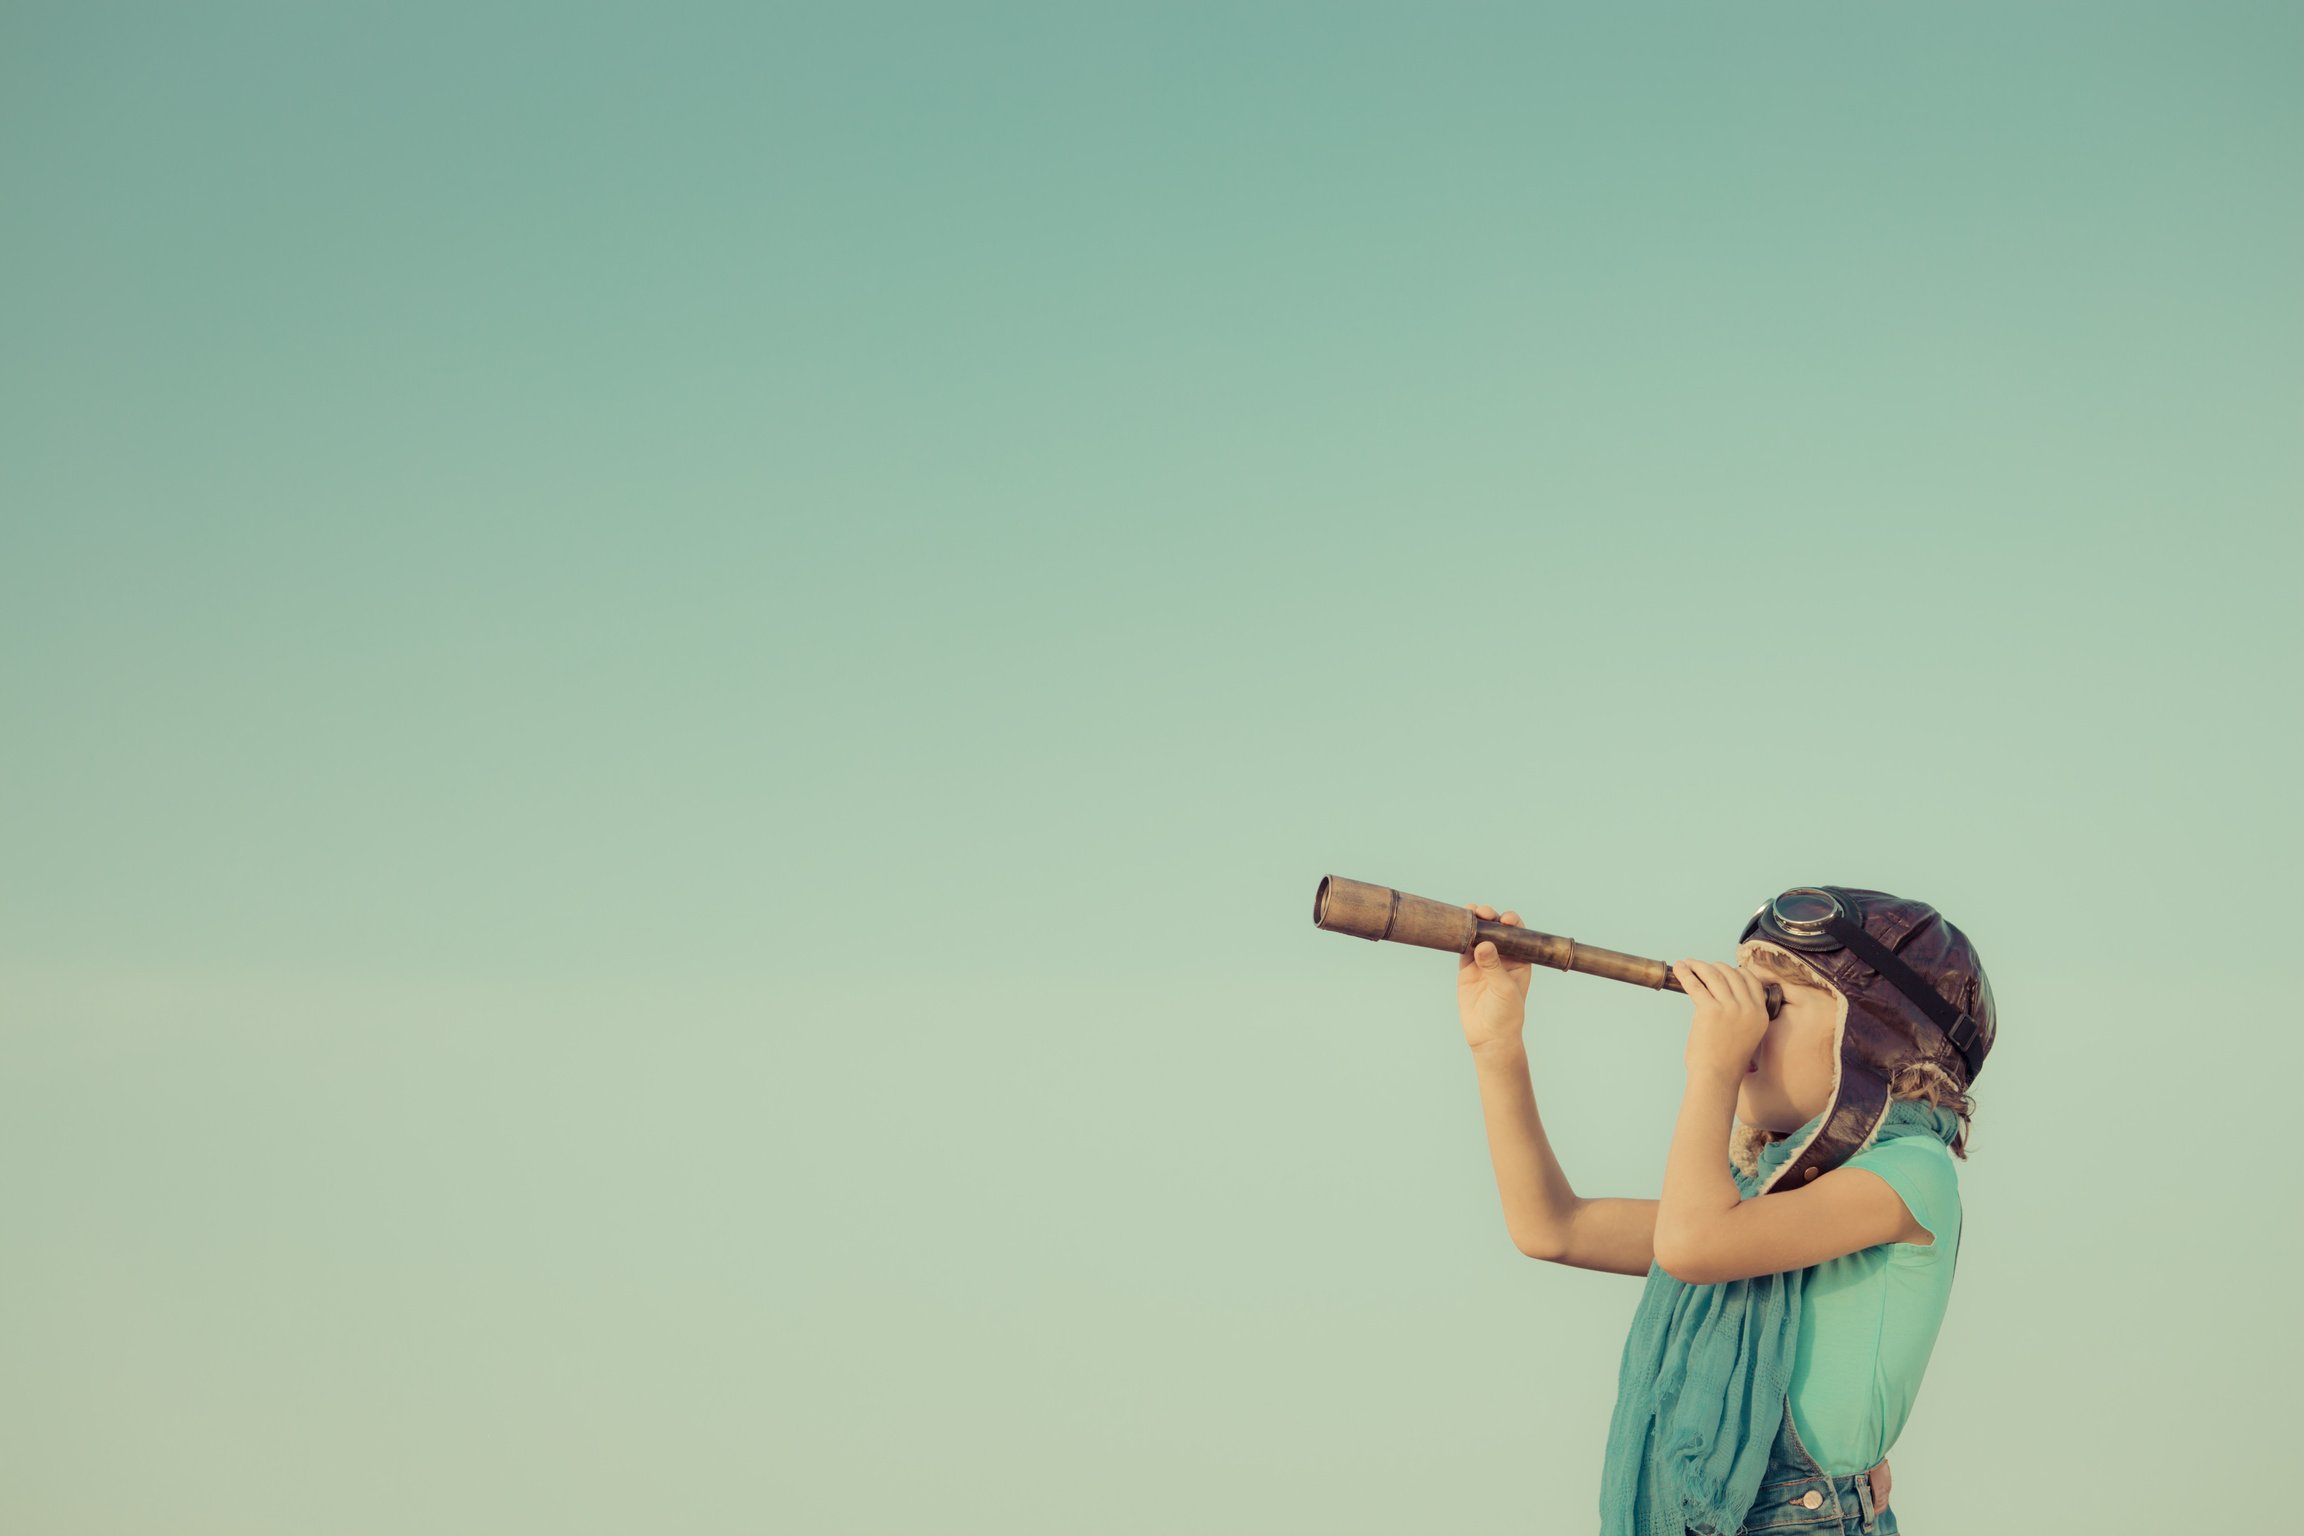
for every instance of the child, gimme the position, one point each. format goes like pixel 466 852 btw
pixel 1778 1344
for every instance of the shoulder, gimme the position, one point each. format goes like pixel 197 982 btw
pixel 1913 1157
pixel 1921 1171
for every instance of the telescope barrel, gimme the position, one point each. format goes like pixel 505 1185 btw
pixel 1377 912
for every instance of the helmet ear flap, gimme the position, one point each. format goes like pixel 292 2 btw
pixel 1859 1104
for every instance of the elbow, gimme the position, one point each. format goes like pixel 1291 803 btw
pixel 1684 1262
pixel 1549 1249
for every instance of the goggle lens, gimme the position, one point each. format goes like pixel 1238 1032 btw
pixel 1797 919
pixel 1804 911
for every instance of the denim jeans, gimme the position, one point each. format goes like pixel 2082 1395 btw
pixel 1798 1499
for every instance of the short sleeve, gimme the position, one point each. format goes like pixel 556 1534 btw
pixel 1919 1169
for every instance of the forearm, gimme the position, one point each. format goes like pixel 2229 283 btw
pixel 1698 1189
pixel 1538 1204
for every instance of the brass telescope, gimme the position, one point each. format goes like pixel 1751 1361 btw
pixel 1376 912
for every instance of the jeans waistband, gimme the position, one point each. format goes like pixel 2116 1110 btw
pixel 1795 1504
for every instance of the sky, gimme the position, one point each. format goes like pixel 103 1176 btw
pixel 674 679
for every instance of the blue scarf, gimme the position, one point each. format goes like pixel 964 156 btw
pixel 1706 1369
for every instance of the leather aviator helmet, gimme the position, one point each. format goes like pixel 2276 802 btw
pixel 1911 990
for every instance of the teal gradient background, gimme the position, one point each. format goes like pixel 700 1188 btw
pixel 673 680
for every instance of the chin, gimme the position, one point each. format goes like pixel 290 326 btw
pixel 1765 1114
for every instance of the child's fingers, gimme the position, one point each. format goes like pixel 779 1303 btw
pixel 1484 954
pixel 1726 982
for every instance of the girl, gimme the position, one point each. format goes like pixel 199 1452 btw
pixel 1779 1344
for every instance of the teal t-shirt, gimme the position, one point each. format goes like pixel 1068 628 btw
pixel 1868 1319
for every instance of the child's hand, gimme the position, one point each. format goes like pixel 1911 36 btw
pixel 1731 1016
pixel 1491 991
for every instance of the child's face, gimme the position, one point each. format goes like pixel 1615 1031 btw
pixel 1795 1063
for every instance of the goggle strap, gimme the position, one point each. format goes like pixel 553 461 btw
pixel 1958 1027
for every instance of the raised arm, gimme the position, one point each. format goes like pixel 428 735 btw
pixel 1547 1219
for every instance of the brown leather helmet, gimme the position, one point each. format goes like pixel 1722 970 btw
pixel 1912 989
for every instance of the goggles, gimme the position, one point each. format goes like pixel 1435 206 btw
pixel 1812 919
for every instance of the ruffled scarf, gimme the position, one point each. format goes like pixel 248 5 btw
pixel 1706 1368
